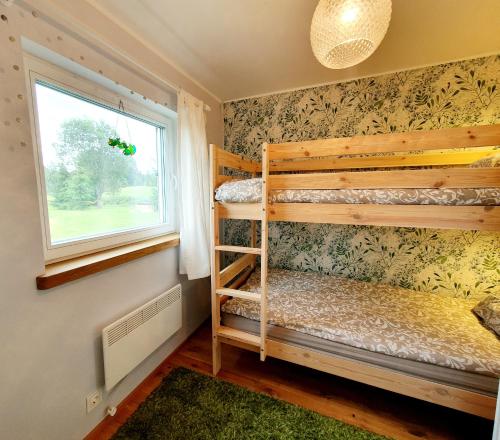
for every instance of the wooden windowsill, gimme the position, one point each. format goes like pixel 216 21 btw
pixel 69 270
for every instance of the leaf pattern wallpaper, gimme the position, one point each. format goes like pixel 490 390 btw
pixel 464 264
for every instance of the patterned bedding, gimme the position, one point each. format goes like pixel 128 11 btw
pixel 250 191
pixel 383 319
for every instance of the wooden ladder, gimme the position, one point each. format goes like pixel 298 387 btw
pixel 224 333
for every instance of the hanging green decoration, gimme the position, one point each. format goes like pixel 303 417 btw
pixel 127 149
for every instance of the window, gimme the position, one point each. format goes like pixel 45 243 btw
pixel 94 195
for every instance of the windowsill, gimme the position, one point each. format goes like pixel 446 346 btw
pixel 69 270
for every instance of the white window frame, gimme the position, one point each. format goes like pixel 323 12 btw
pixel 38 70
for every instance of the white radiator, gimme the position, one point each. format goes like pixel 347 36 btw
pixel 131 339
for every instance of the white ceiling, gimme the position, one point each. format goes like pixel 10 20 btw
pixel 241 48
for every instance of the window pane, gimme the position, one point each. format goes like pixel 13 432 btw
pixel 92 188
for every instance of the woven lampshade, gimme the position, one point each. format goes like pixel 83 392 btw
pixel 346 32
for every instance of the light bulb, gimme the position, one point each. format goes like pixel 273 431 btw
pixel 349 15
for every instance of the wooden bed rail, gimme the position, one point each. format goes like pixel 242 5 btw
pixel 435 178
pixel 234 269
pixel 476 218
pixel 425 158
pixel 224 159
pixel 461 137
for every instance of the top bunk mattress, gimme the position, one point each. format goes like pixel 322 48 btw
pixel 250 191
pixel 383 319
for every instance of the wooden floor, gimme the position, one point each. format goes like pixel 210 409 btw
pixel 376 410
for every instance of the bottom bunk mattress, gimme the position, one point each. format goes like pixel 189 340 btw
pixel 250 191
pixel 402 329
pixel 462 379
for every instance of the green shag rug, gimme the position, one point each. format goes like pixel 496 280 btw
pixel 189 405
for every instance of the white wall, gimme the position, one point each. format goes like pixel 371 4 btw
pixel 50 353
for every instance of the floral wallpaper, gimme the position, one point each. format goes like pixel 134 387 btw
pixel 457 263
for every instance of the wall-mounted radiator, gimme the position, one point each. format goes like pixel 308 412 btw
pixel 128 341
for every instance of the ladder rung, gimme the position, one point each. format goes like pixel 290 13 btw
pixel 238 335
pixel 239 294
pixel 239 249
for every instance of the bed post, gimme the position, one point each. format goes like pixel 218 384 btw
pixel 215 260
pixel 263 255
pixel 253 234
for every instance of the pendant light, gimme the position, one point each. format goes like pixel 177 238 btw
pixel 347 32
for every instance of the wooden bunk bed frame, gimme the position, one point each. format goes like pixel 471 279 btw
pixel 437 148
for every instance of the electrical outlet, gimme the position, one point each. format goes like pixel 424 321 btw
pixel 93 400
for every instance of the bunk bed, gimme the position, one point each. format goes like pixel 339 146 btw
pixel 418 179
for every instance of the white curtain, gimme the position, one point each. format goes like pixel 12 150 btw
pixel 194 187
